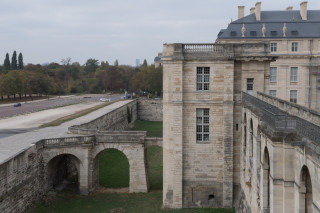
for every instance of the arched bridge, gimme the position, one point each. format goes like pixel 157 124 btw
pixel 80 154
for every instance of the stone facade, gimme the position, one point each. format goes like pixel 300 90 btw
pixel 150 109
pixel 201 174
pixel 305 57
pixel 262 154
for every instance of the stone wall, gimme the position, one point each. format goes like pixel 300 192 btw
pixel 114 120
pixel 150 109
pixel 22 181
pixel 275 153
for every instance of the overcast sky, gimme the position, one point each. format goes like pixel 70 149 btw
pixel 48 30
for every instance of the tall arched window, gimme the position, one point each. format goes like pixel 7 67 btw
pixel 266 180
pixel 305 191
pixel 251 138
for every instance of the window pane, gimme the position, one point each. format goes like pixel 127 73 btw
pixel 206 86
pixel 206 128
pixel 206 120
pixel 199 78
pixel 202 126
pixel 203 78
pixel 205 111
pixel 199 112
pixel 199 120
pixel 206 78
pixel 205 137
pixel 199 86
pixel 199 137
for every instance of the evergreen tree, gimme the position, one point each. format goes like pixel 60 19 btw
pixel 145 63
pixel 6 63
pixel 14 65
pixel 116 63
pixel 20 62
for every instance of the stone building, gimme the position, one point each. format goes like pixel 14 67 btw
pixel 295 38
pixel 227 142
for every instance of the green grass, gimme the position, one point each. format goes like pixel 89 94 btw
pixel 131 203
pixel 113 169
pixel 155 167
pixel 153 128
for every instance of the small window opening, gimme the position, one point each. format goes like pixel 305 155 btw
pixel 237 127
pixel 211 197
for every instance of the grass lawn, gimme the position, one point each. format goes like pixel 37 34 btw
pixel 113 169
pixel 153 128
pixel 155 167
pixel 131 203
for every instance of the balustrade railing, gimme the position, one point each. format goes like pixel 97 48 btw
pixel 205 48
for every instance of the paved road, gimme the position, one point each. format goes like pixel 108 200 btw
pixel 29 107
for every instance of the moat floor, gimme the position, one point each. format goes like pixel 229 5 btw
pixel 139 202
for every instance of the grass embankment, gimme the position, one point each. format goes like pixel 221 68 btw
pixel 75 115
pixel 153 128
pixel 130 203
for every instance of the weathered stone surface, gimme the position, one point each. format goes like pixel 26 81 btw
pixel 150 109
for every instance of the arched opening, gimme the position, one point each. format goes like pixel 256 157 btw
pixel 258 146
pixel 63 172
pixel 266 180
pixel 111 168
pixel 155 167
pixel 305 191
pixel 245 132
pixel 251 138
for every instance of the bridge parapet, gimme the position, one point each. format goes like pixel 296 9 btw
pixel 68 141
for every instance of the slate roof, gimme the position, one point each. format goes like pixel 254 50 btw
pixel 274 22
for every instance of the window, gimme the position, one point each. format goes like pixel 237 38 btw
pixel 273 74
pixel 294 74
pixel 273 93
pixel 273 47
pixel 294 47
pixel 202 125
pixel 250 86
pixel 274 33
pixel 293 96
pixel 203 78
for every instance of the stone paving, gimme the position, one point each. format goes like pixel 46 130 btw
pixel 13 145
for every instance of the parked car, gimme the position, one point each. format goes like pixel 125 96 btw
pixel 17 104
pixel 105 99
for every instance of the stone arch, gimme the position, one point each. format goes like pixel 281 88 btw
pixel 63 169
pixel 266 180
pixel 251 138
pixel 135 153
pixel 124 172
pixel 305 191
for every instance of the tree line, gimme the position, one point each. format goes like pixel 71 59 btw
pixel 17 79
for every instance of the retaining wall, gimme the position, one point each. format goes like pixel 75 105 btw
pixel 150 109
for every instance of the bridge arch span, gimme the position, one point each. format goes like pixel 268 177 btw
pixel 135 153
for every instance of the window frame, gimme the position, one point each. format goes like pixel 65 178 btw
pixel 203 127
pixel 273 47
pixel 273 91
pixel 294 99
pixel 203 78
pixel 273 78
pixel 294 76
pixel 294 47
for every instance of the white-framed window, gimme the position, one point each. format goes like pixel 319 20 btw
pixel 293 96
pixel 273 47
pixel 273 74
pixel 293 74
pixel 202 125
pixel 203 78
pixel 294 46
pixel 273 93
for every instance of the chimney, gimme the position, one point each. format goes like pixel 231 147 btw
pixel 303 10
pixel 252 10
pixel 258 11
pixel 240 12
pixel 289 8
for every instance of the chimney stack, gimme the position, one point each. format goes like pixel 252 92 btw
pixel 258 11
pixel 303 10
pixel 252 10
pixel 289 8
pixel 240 12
